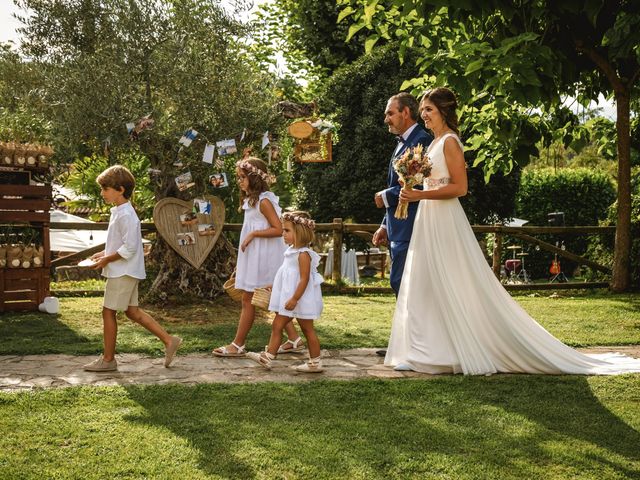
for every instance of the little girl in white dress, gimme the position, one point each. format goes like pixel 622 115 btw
pixel 261 251
pixel 296 292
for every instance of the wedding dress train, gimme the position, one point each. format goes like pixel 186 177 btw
pixel 454 316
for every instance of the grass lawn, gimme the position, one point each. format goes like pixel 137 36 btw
pixel 347 322
pixel 454 427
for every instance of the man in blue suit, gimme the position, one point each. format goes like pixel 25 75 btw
pixel 401 116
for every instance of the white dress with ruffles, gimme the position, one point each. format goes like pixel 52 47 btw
pixel 258 264
pixel 309 306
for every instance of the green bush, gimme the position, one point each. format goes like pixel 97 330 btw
pixel 582 194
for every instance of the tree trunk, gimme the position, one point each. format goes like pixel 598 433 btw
pixel 176 277
pixel 620 279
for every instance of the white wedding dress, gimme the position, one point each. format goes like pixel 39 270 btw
pixel 454 316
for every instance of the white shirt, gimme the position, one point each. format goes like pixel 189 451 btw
pixel 125 237
pixel 405 136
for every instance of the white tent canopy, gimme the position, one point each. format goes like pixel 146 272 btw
pixel 73 240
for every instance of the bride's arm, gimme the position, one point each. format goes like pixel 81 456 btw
pixel 457 186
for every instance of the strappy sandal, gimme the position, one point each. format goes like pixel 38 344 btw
pixel 224 351
pixel 263 358
pixel 313 365
pixel 296 346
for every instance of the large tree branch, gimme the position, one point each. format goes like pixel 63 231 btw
pixel 603 65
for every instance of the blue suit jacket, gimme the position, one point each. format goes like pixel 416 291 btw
pixel 400 230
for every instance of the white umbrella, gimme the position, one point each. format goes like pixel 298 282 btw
pixel 66 240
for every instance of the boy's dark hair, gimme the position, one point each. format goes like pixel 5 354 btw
pixel 118 176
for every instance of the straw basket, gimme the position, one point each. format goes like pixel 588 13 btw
pixel 230 287
pixel 261 298
pixel 300 129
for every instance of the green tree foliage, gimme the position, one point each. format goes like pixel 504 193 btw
pixel 526 53
pixel 105 63
pixel 307 34
pixel 102 63
pixel 357 95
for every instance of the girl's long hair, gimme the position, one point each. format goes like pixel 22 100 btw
pixel 257 184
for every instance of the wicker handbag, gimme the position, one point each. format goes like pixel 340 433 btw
pixel 261 298
pixel 230 287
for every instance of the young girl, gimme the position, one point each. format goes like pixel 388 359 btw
pixel 296 291
pixel 260 253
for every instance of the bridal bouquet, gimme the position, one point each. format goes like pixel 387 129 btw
pixel 412 168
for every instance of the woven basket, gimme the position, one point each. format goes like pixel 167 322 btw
pixel 261 298
pixel 230 287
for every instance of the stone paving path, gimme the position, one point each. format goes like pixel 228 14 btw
pixel 27 372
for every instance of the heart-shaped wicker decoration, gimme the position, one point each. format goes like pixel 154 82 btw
pixel 193 236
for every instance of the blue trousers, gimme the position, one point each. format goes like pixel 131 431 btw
pixel 398 252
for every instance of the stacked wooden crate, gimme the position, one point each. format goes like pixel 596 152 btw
pixel 25 206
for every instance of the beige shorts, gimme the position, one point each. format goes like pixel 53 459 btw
pixel 120 293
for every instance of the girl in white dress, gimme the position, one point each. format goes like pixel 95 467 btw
pixel 261 250
pixel 296 292
pixel 452 314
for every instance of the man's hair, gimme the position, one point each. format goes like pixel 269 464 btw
pixel 118 176
pixel 407 100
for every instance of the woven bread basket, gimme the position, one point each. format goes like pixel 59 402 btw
pixel 230 287
pixel 261 298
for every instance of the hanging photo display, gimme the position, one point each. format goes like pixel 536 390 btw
pixel 207 155
pixel 188 137
pixel 202 206
pixel 226 147
pixel 218 180
pixel 184 181
pixel 186 238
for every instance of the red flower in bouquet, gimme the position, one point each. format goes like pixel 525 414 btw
pixel 412 168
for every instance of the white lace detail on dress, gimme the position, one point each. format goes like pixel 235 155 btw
pixel 436 182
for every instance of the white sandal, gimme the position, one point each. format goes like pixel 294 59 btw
pixel 296 346
pixel 313 365
pixel 263 358
pixel 224 351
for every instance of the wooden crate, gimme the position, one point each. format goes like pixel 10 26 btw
pixel 23 288
pixel 25 205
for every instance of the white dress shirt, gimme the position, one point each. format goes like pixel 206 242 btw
pixel 405 136
pixel 125 237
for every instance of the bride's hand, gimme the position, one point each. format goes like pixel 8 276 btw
pixel 410 195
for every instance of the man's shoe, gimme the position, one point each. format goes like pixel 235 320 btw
pixel 381 353
pixel 170 351
pixel 100 365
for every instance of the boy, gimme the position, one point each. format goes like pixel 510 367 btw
pixel 122 262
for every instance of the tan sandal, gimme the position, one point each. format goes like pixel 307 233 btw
pixel 263 358
pixel 296 346
pixel 224 351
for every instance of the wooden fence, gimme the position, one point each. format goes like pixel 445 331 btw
pixel 339 229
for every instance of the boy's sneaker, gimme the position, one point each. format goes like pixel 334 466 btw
pixel 171 350
pixel 100 365
pixel 313 365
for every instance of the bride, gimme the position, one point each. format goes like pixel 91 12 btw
pixel 452 313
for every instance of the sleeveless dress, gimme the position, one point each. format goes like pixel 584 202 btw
pixel 454 316
pixel 258 264
pixel 309 306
